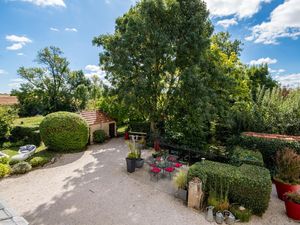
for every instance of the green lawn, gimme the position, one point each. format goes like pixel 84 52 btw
pixel 122 129
pixel 29 121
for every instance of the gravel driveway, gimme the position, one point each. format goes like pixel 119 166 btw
pixel 93 188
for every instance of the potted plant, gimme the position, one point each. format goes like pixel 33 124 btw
pixel 292 205
pixel 180 182
pixel 287 172
pixel 139 161
pixel 131 161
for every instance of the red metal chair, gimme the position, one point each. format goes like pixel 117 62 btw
pixel 170 170
pixel 155 171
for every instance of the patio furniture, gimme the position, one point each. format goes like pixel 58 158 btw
pixel 170 171
pixel 24 153
pixel 177 165
pixel 155 171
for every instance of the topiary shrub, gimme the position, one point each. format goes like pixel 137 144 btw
pixel 267 147
pixel 4 170
pixel 99 136
pixel 249 185
pixel 38 161
pixel 21 168
pixel 64 132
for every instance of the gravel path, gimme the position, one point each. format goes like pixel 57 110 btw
pixel 93 188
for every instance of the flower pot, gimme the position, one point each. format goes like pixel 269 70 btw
pixel 139 163
pixel 181 194
pixel 292 210
pixel 130 165
pixel 283 188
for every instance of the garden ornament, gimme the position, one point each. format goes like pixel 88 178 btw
pixel 229 217
pixel 219 217
pixel 210 214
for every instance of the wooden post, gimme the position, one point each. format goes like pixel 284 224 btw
pixel 196 195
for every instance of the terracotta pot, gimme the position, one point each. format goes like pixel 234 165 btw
pixel 283 188
pixel 126 136
pixel 292 210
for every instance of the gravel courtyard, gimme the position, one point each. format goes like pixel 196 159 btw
pixel 93 187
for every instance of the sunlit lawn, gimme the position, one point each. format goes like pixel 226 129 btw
pixel 28 121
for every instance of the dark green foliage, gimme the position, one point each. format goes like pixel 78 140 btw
pixel 64 131
pixel 267 147
pixel 136 126
pixel 38 161
pixel 4 160
pixel 243 215
pixel 7 116
pixel 249 185
pixel 99 136
pixel 4 170
pixel 28 135
pixel 13 162
pixel 21 168
pixel 241 155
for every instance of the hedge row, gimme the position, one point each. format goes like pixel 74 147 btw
pixel 27 135
pixel 249 185
pixel 267 147
pixel 244 156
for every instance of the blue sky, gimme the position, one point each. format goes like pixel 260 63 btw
pixel 269 30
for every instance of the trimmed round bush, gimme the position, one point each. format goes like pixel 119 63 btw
pixel 4 170
pixel 64 132
pixel 99 136
pixel 38 161
pixel 21 168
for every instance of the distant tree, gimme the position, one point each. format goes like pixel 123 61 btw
pixel 52 87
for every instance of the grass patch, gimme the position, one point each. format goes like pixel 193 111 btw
pixel 122 129
pixel 29 121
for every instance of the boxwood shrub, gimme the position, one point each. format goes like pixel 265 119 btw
pixel 64 132
pixel 99 136
pixel 38 161
pixel 21 168
pixel 27 135
pixel 4 170
pixel 267 147
pixel 249 185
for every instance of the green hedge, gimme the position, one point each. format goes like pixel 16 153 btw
pixel 27 135
pixel 267 147
pixel 249 185
pixel 64 132
pixel 240 156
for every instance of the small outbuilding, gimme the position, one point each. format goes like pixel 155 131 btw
pixel 98 120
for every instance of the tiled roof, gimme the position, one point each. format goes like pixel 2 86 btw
pixel 96 117
pixel 273 136
pixel 8 100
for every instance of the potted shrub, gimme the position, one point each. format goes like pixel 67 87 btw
pixel 130 161
pixel 180 182
pixel 287 172
pixel 139 161
pixel 292 205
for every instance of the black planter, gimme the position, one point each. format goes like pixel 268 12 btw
pixel 139 163
pixel 130 165
pixel 182 194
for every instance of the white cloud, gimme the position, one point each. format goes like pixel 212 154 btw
pixel 227 22
pixel 276 71
pixel 54 29
pixel 20 54
pixel 239 8
pixel 263 61
pixel 18 42
pixel 14 47
pixel 43 3
pixel 71 29
pixel 2 71
pixel 290 80
pixel 92 70
pixel 15 83
pixel 284 23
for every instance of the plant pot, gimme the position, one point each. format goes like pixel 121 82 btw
pixel 130 165
pixel 292 210
pixel 283 188
pixel 182 194
pixel 139 163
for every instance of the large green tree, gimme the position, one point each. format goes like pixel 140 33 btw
pixel 153 45
pixel 52 86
